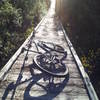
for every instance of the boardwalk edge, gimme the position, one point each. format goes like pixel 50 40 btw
pixel 85 77
pixel 9 64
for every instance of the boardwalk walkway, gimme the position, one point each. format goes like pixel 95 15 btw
pixel 21 80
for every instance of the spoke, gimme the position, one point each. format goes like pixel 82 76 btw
pixel 51 61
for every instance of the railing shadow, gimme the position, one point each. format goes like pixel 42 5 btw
pixel 52 89
pixel 13 86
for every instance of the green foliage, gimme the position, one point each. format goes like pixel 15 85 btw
pixel 82 19
pixel 91 60
pixel 28 31
pixel 9 17
pixel 17 20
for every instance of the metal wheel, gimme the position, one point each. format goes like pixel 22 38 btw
pixel 52 63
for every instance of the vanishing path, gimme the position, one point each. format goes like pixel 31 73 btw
pixel 21 80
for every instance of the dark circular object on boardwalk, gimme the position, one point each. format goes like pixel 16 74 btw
pixel 51 62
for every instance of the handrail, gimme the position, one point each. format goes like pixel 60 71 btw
pixel 85 77
pixel 9 64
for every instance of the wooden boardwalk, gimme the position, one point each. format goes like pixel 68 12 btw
pixel 21 80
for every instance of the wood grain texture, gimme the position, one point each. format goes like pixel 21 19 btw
pixel 24 81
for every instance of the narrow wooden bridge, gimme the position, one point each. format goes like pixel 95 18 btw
pixel 20 79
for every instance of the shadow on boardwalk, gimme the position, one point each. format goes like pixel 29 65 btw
pixel 51 89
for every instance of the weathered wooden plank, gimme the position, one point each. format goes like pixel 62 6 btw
pixel 71 82
pixel 30 83
pixel 70 90
pixel 73 73
pixel 40 95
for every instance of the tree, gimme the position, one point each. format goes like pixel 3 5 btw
pixel 17 18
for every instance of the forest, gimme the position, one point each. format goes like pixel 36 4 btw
pixel 18 18
pixel 81 19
